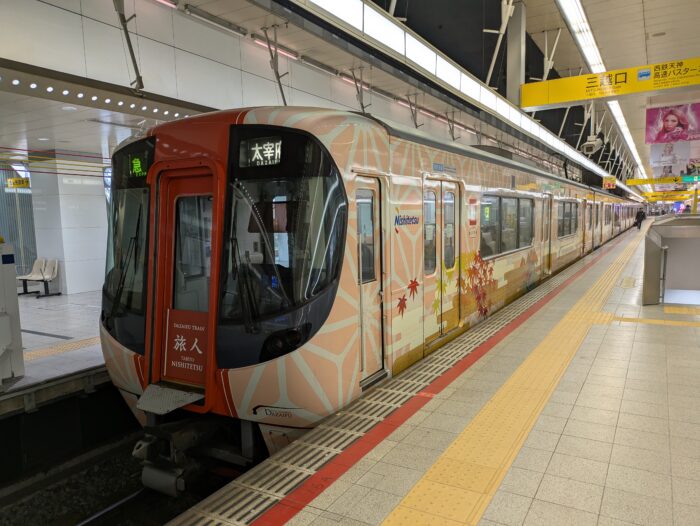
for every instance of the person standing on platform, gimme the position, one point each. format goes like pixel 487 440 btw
pixel 641 216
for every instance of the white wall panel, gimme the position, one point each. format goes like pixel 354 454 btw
pixel 104 11
pixel 154 21
pixel 344 94
pixel 42 35
pixel 46 206
pixel 260 92
pixel 49 242
pixel 202 39
pixel 207 82
pixel 84 243
pixel 301 98
pixel 70 5
pixel 81 185
pixel 83 276
pixel 255 59
pixel 83 210
pixel 309 79
pixel 157 63
pixel 106 56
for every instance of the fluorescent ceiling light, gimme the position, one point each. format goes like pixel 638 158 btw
pixel 215 21
pixel 349 11
pixel 469 86
pixel 515 116
pixel 488 98
pixel 384 30
pixel 420 53
pixel 167 3
pixel 447 72
pixel 284 51
pixel 503 108
pixel 576 19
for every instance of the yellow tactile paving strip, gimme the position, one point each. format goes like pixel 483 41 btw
pixel 60 349
pixel 693 311
pixel 458 488
pixel 656 321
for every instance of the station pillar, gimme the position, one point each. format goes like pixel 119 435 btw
pixel 70 219
pixel 515 59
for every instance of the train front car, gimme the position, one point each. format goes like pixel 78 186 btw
pixel 230 303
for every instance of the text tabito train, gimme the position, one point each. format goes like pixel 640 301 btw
pixel 266 265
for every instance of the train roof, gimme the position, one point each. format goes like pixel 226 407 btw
pixel 393 129
pixel 402 131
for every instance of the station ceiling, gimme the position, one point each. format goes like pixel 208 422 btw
pixel 628 33
pixel 31 123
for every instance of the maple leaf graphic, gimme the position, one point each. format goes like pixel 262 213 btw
pixel 413 288
pixel 402 305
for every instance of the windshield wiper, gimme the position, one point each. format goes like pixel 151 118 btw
pixel 242 279
pixel 117 308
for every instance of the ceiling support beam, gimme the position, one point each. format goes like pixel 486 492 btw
pixel 506 12
pixel 274 59
pixel 515 53
pixel 586 118
pixel 413 106
pixel 123 21
pixel 451 125
pixel 359 89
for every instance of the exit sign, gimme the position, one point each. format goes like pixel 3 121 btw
pixel 690 178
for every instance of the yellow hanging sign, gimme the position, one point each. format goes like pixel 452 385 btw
pixel 610 84
pixel 18 182
pixel 684 197
pixel 671 193
pixel 658 180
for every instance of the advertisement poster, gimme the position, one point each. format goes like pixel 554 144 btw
pixel 673 123
pixel 670 153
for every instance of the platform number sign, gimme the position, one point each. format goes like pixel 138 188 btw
pixel 263 151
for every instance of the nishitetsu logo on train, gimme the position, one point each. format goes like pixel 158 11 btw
pixel 403 220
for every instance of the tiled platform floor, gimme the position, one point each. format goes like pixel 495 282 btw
pixel 617 443
pixel 67 342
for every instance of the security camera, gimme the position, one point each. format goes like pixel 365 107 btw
pixel 592 145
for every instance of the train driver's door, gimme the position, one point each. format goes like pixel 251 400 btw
pixel 184 247
pixel 369 259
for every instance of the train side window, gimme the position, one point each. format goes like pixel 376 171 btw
pixel 574 218
pixel 429 222
pixel 525 208
pixel 448 214
pixel 509 224
pixel 560 220
pixel 490 225
pixel 365 234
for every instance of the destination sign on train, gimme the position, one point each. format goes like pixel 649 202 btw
pixel 566 91
pixel 263 151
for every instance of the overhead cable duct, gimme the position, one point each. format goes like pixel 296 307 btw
pixel 123 21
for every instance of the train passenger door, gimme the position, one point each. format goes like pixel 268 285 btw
pixel 369 258
pixel 546 235
pixel 184 277
pixel 440 257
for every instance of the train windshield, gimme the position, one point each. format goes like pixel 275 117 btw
pixel 124 299
pixel 285 223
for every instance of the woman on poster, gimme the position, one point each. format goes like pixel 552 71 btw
pixel 674 126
